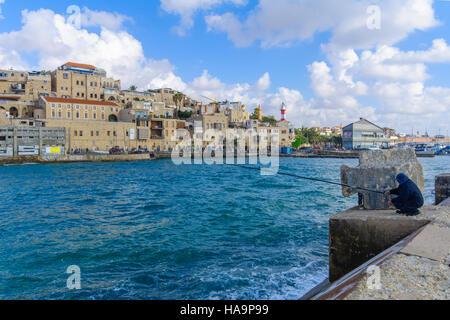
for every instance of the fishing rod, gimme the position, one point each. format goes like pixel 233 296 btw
pixel 313 179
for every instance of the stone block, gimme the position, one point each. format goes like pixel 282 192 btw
pixel 357 236
pixel 442 187
pixel 377 171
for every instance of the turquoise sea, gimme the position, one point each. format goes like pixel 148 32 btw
pixel 152 230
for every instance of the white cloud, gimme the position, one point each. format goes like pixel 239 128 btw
pixel 384 63
pixel 57 41
pixel 284 22
pixel 108 20
pixel 392 83
pixel 187 8
pixel 438 53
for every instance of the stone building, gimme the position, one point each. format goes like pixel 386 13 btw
pixel 364 134
pixel 82 81
pixel 77 109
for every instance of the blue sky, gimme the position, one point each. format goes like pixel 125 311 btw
pixel 295 54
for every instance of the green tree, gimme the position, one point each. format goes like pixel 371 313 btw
pixel 178 98
pixel 254 115
pixel 301 140
pixel 270 119
pixel 184 115
pixel 133 88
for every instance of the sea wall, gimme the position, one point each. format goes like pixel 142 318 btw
pixel 377 171
pixel 442 187
pixel 76 158
pixel 357 236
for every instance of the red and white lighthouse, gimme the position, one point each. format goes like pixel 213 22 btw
pixel 283 112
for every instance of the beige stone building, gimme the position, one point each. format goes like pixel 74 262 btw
pixel 283 129
pixel 82 81
pixel 77 109
pixel 37 85
pixel 166 95
pixel 20 90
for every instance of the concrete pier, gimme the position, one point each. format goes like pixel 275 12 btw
pixel 357 236
pixel 411 255
pixel 75 158
pixel 442 187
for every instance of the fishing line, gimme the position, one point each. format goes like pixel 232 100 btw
pixel 312 179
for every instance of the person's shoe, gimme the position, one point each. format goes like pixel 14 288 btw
pixel 399 212
pixel 413 213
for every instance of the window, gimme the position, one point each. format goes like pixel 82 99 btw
pixel 97 133
pixel 95 116
pixel 65 75
pixel 103 116
pixel 92 133
pixel 78 82
pixel 78 107
pixel 114 134
pixel 78 115
pixel 53 114
pixel 68 115
pixel 108 133
pixel 60 114
pixel 76 133
pixel 81 133
pixel 86 115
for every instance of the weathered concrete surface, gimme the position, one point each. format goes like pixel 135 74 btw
pixel 407 277
pixel 421 271
pixel 357 236
pixel 377 170
pixel 442 187
pixel 432 243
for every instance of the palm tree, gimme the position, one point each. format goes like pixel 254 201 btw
pixel 178 98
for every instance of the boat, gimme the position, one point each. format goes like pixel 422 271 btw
pixel 425 150
pixel 444 151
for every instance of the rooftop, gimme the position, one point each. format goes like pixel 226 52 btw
pixel 80 65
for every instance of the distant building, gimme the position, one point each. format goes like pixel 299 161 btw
pixel 364 134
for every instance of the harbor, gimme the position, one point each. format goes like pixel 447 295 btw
pixel 148 237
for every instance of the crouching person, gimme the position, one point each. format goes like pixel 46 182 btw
pixel 409 199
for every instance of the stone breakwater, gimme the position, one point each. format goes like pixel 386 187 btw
pixel 420 271
pixel 76 158
pixel 378 254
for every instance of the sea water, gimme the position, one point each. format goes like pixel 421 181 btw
pixel 153 230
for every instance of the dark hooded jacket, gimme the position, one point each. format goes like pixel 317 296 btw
pixel 409 195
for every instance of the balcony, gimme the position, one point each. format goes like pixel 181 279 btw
pixel 18 87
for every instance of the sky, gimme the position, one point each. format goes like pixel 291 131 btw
pixel 330 62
